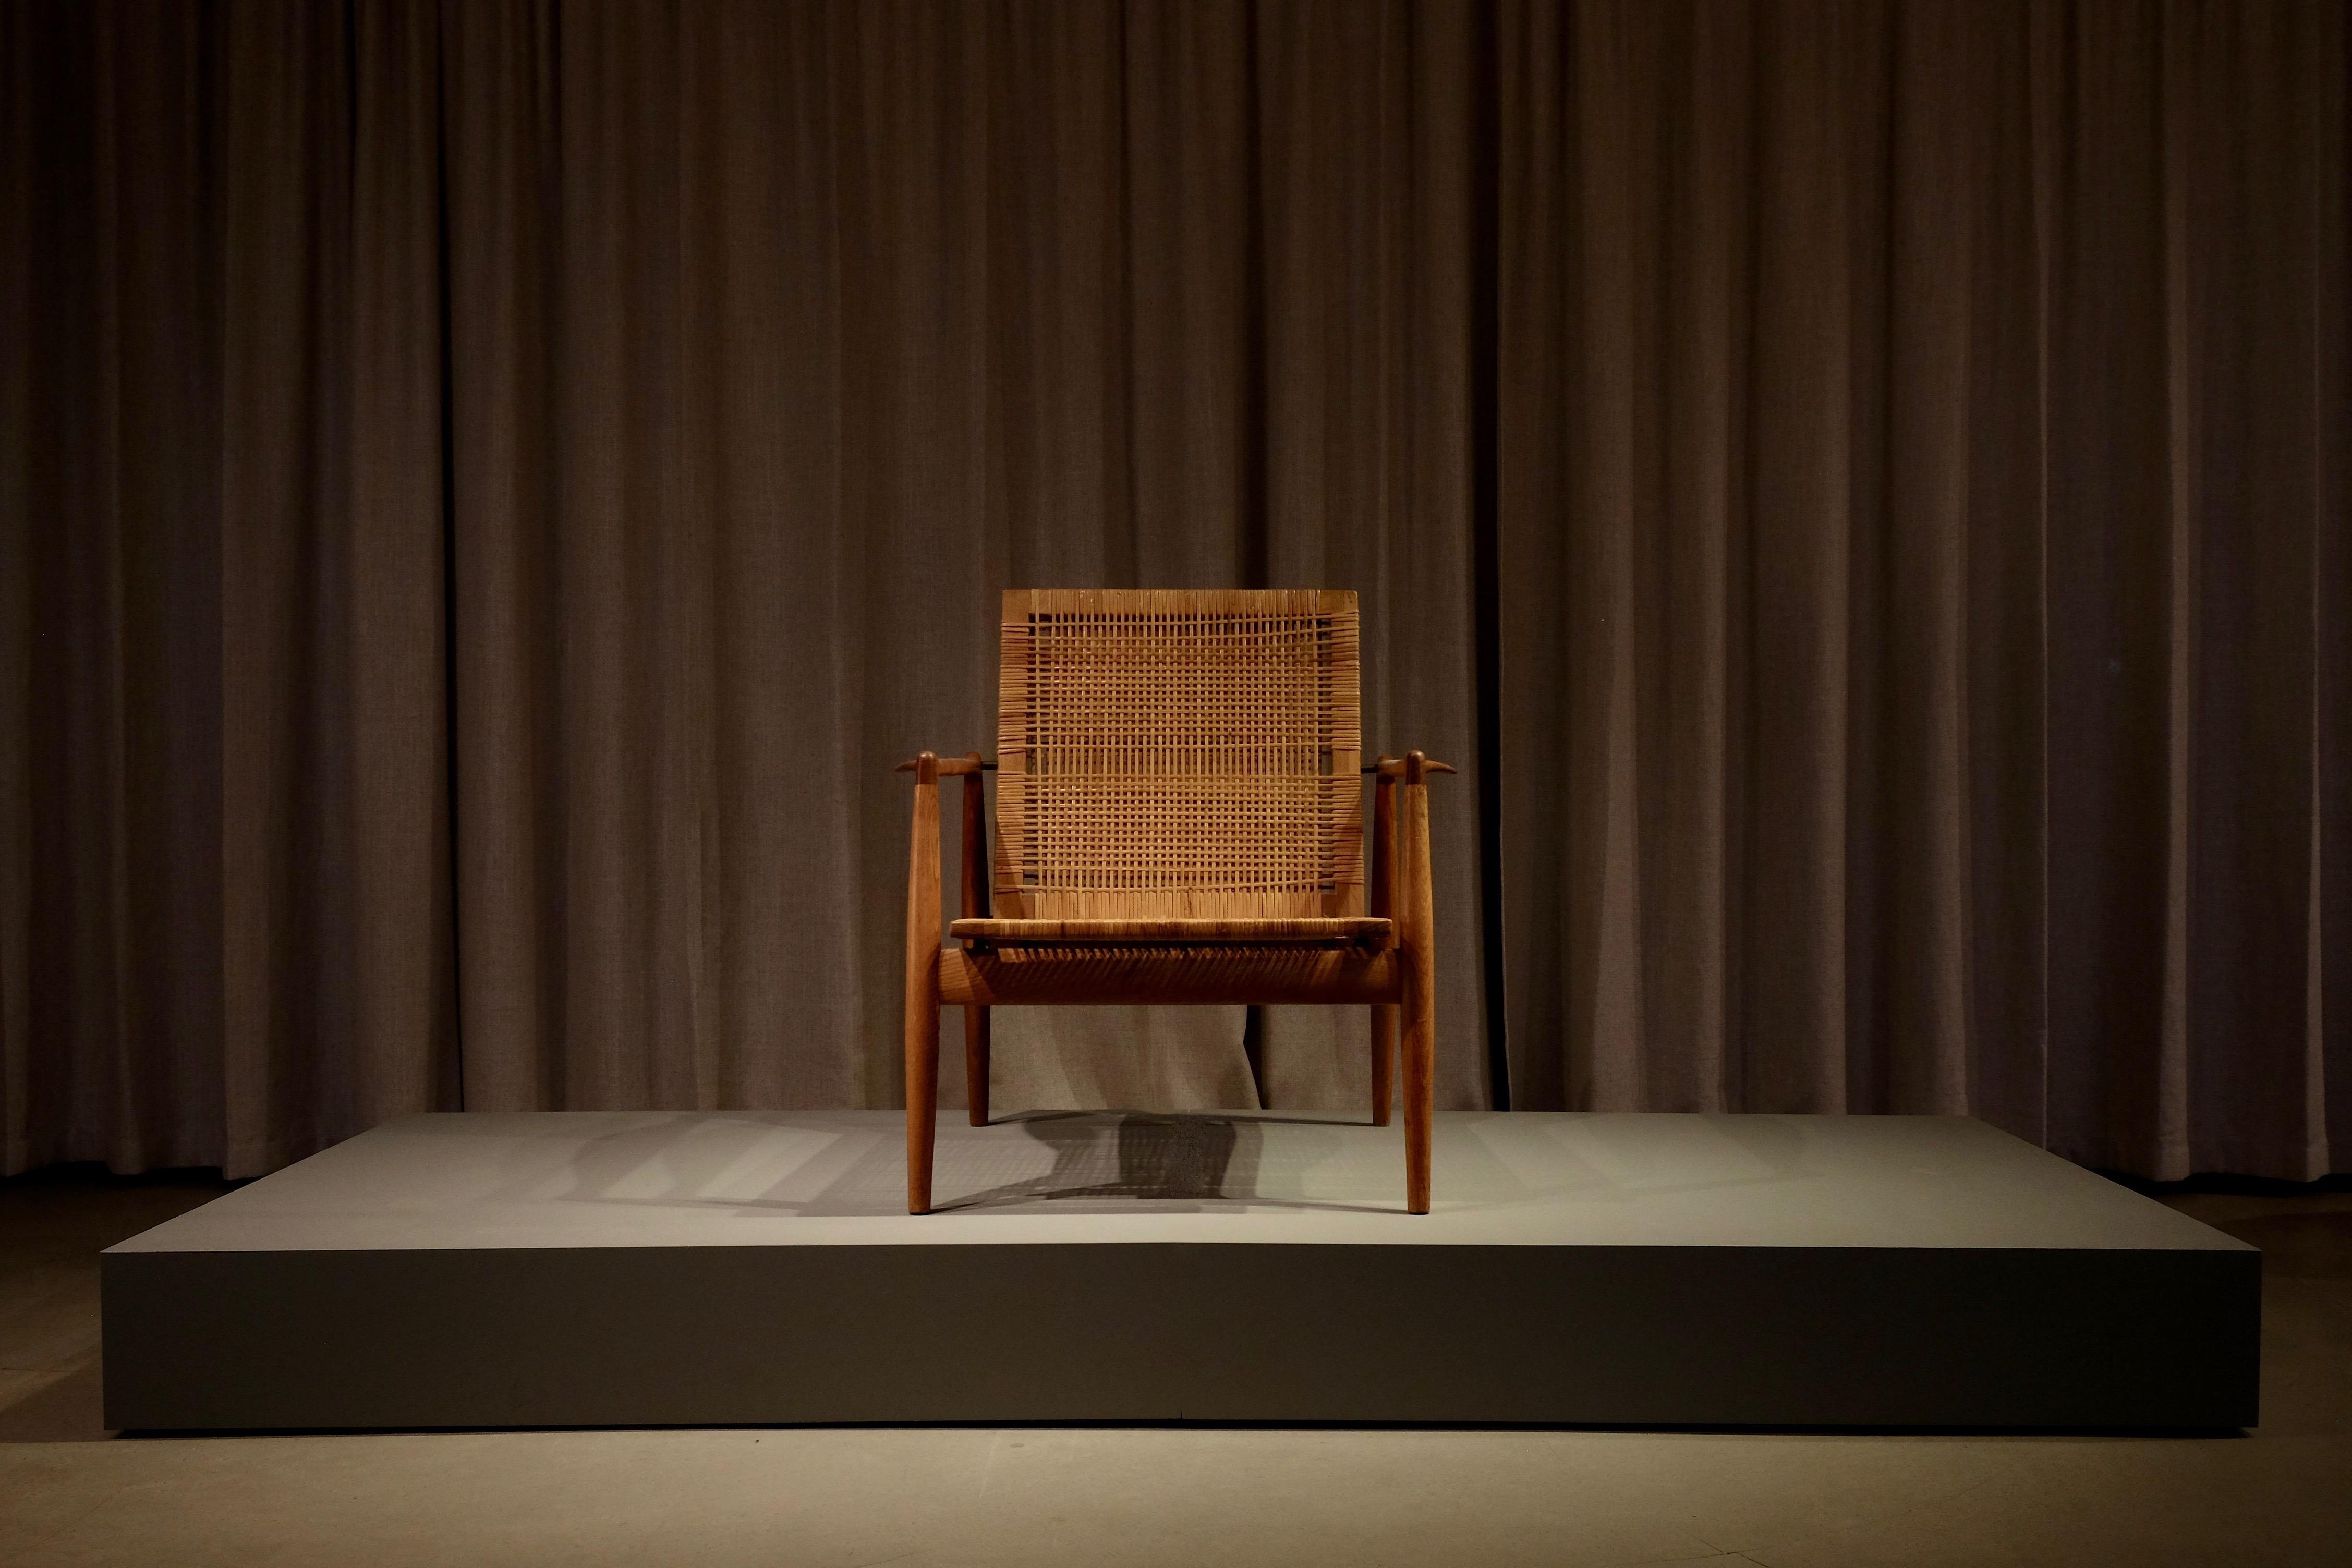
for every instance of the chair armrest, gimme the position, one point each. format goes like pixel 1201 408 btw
pixel 928 769
pixel 1390 769
pixel 1387 773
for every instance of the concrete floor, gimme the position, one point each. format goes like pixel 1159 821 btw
pixel 71 1493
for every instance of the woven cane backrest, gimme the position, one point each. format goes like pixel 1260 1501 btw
pixel 1167 753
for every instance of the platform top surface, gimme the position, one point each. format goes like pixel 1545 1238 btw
pixel 838 1178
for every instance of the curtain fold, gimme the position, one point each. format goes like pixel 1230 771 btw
pixel 488 491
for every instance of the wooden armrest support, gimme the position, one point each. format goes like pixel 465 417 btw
pixel 1391 865
pixel 928 769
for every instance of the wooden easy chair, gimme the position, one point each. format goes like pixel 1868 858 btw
pixel 1180 815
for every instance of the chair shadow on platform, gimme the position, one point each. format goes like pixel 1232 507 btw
pixel 1106 1161
pixel 1162 1159
pixel 1102 1161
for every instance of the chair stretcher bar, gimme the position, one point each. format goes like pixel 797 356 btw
pixel 1190 979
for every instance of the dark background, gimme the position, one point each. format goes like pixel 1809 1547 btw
pixel 486 492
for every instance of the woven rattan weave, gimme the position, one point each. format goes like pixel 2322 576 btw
pixel 1178 754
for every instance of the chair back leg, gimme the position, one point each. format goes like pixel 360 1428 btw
pixel 1384 901
pixel 975 902
pixel 975 1062
pixel 1420 987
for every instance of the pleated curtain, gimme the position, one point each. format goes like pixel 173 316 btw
pixel 487 492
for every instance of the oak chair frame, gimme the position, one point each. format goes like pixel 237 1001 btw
pixel 1275 921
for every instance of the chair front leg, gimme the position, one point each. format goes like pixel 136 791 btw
pixel 923 1002
pixel 1420 987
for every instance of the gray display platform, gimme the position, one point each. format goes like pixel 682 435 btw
pixel 591 1270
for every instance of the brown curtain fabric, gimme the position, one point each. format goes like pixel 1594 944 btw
pixel 1923 518
pixel 486 492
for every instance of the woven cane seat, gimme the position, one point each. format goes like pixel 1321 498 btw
pixel 1358 931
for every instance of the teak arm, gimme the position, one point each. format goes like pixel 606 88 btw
pixel 968 768
pixel 1387 773
pixel 923 858
pixel 1392 767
